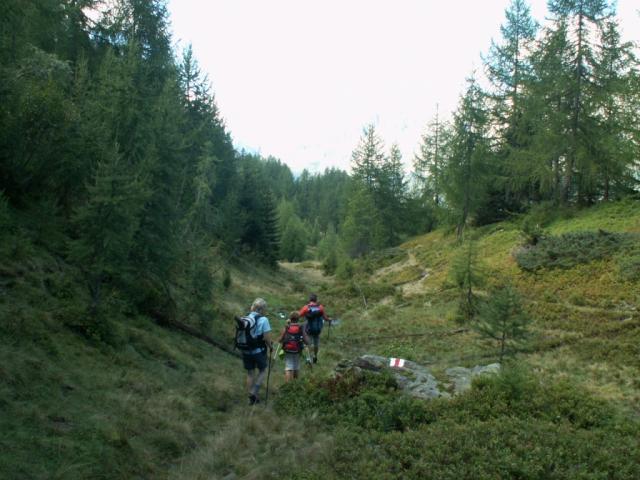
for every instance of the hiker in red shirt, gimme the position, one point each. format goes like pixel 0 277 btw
pixel 315 317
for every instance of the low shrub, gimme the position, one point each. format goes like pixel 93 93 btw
pixel 518 393
pixel 512 425
pixel 345 269
pixel 629 267
pixel 544 213
pixel 571 249
pixel 368 401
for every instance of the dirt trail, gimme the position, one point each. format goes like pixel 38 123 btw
pixel 309 272
pixel 396 267
pixel 413 287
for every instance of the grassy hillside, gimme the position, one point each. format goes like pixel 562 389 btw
pixel 586 319
pixel 157 403
pixel 135 406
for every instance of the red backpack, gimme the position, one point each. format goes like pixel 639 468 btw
pixel 293 339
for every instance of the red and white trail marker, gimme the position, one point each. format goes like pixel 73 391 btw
pixel 396 362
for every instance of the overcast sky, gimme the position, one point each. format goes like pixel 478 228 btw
pixel 300 79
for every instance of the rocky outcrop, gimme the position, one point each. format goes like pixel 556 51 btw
pixel 461 377
pixel 416 379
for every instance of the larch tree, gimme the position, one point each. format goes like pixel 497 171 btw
pixel 583 21
pixel 367 158
pixel 616 99
pixel 390 194
pixel 428 163
pixel 470 156
pixel 509 70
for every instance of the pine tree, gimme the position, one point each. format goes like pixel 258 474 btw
pixel 509 71
pixel 582 19
pixel 293 235
pixel 546 110
pixel 269 245
pixel 390 195
pixel 466 171
pixel 106 226
pixel 362 230
pixel 330 251
pixel 503 320
pixel 367 158
pixel 468 274
pixel 428 164
pixel 616 96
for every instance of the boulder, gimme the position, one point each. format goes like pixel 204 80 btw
pixel 461 377
pixel 416 379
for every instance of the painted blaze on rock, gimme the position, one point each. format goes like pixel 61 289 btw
pixel 415 379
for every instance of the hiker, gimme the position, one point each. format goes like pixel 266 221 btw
pixel 315 317
pixel 254 351
pixel 293 339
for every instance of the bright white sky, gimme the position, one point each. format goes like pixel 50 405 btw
pixel 299 79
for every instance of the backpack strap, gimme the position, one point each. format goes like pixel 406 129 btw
pixel 261 342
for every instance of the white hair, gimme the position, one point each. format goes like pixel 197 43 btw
pixel 259 305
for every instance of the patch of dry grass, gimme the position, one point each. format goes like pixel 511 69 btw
pixel 255 443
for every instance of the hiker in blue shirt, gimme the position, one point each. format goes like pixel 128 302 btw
pixel 256 360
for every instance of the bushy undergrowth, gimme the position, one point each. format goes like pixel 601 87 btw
pixel 513 425
pixel 367 402
pixel 571 249
pixel 629 265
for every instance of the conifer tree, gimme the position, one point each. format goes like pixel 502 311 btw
pixel 293 235
pixel 367 158
pixel 470 152
pixel 468 274
pixel 390 194
pixel 546 109
pixel 503 320
pixel 106 226
pixel 362 230
pixel 429 163
pixel 616 99
pixel 270 242
pixel 582 20
pixel 509 70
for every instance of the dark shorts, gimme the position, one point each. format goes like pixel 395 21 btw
pixel 315 339
pixel 255 360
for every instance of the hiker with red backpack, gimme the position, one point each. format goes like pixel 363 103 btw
pixel 253 338
pixel 293 339
pixel 315 317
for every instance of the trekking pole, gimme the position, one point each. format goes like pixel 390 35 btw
pixel 266 397
pixel 329 332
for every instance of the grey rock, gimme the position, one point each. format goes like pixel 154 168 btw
pixel 415 379
pixel 462 377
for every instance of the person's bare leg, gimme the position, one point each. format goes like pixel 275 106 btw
pixel 250 379
pixel 258 382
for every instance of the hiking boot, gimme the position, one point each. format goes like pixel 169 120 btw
pixel 315 359
pixel 253 399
